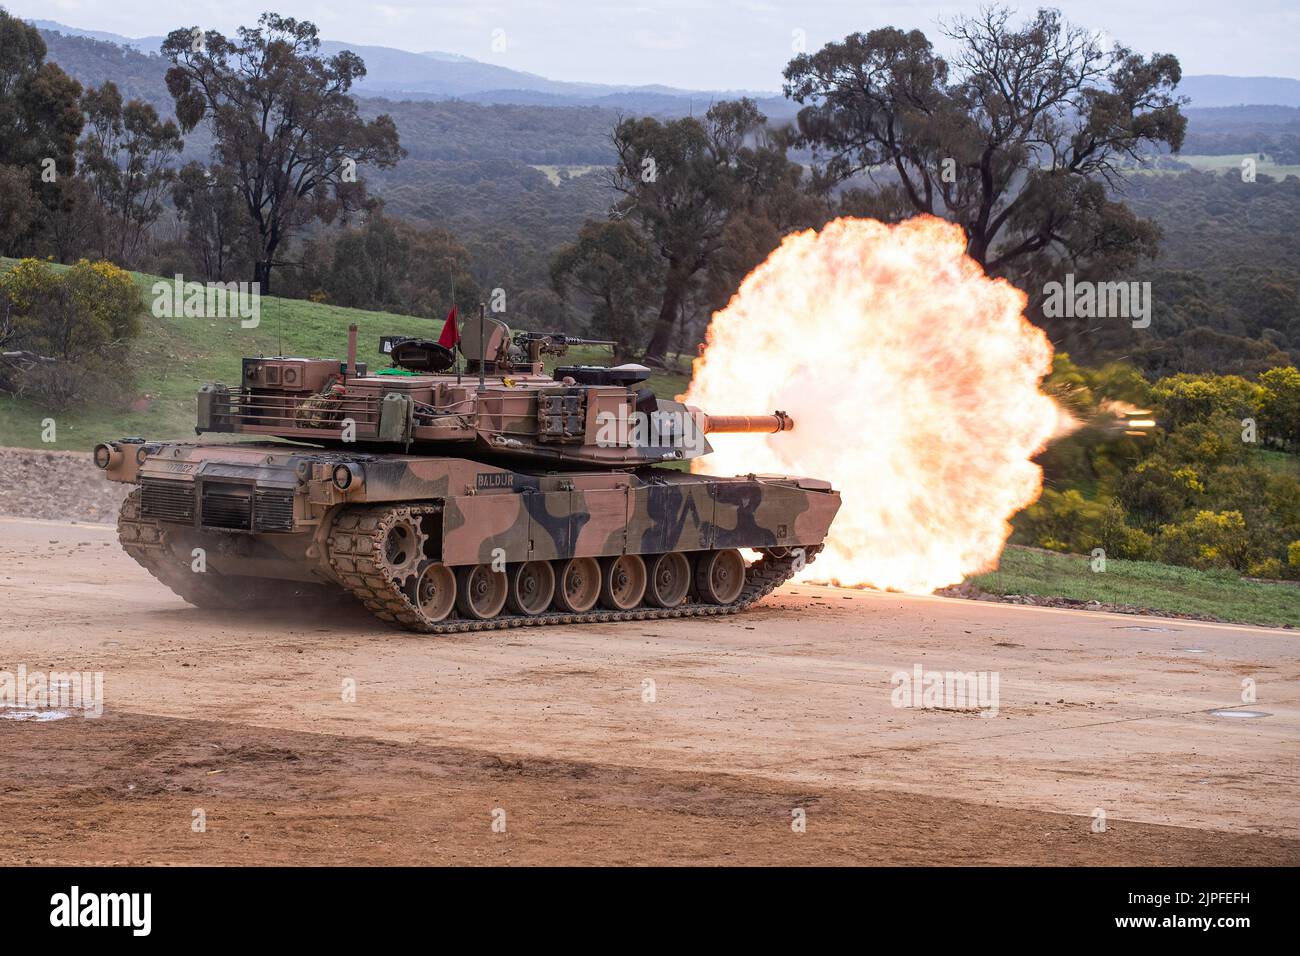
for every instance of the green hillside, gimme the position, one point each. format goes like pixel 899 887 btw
pixel 174 356
pixel 1220 594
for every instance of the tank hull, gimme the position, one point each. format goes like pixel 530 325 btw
pixel 389 528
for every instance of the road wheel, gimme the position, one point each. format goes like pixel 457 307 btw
pixel 577 585
pixel 668 579
pixel 720 576
pixel 622 582
pixel 434 593
pixel 481 592
pixel 530 587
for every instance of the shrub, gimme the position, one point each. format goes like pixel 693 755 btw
pixel 1280 409
pixel 1209 540
pixel 83 312
pixel 1200 398
pixel 69 329
pixel 1268 568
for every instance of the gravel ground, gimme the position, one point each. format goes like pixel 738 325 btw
pixel 56 486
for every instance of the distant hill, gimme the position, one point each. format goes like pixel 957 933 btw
pixel 1212 90
pixel 436 75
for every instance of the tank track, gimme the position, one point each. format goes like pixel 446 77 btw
pixel 356 549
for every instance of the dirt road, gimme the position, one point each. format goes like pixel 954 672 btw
pixel 683 741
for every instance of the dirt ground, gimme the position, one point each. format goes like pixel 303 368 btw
pixel 661 742
pixel 125 789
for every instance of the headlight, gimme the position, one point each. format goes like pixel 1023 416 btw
pixel 345 475
pixel 103 455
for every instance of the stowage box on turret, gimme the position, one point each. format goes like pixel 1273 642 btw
pixel 490 496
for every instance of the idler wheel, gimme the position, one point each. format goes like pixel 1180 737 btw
pixel 481 592
pixel 434 593
pixel 530 587
pixel 668 579
pixel 622 582
pixel 578 585
pixel 720 576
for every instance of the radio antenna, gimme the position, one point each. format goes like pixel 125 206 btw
pixel 482 327
pixel 455 358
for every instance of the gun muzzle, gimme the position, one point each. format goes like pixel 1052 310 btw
pixel 749 424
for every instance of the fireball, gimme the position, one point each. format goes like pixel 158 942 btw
pixel 913 380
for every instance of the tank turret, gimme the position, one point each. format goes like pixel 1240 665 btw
pixel 501 404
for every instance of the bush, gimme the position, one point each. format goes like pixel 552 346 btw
pixel 1121 541
pixel 1066 521
pixel 1268 568
pixel 1201 398
pixel 1209 540
pixel 82 312
pixel 1280 409
pixel 68 331
pixel 62 385
pixel 1062 521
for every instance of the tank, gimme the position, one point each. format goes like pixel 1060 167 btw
pixel 461 489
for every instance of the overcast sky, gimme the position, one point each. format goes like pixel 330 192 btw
pixel 698 44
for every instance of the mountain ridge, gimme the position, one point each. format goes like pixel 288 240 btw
pixel 393 73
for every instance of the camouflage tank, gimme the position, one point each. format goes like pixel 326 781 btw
pixel 488 496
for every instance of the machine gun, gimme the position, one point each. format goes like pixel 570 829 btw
pixel 537 344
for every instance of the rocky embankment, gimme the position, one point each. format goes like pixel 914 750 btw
pixel 56 486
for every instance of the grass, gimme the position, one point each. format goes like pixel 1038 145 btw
pixel 174 356
pixel 1161 587
pixel 1280 462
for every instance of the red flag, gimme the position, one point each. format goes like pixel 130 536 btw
pixel 450 332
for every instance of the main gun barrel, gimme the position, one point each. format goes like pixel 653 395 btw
pixel 749 424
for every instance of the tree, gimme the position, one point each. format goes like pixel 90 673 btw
pixel 618 272
pixel 387 264
pixel 1014 140
pixel 40 116
pixel 681 181
pixel 369 265
pixel 282 120
pixel 18 208
pixel 1280 405
pixel 216 224
pixel 1188 398
pixel 438 273
pixel 127 156
pixel 76 222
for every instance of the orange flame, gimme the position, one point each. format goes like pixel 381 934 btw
pixel 913 381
